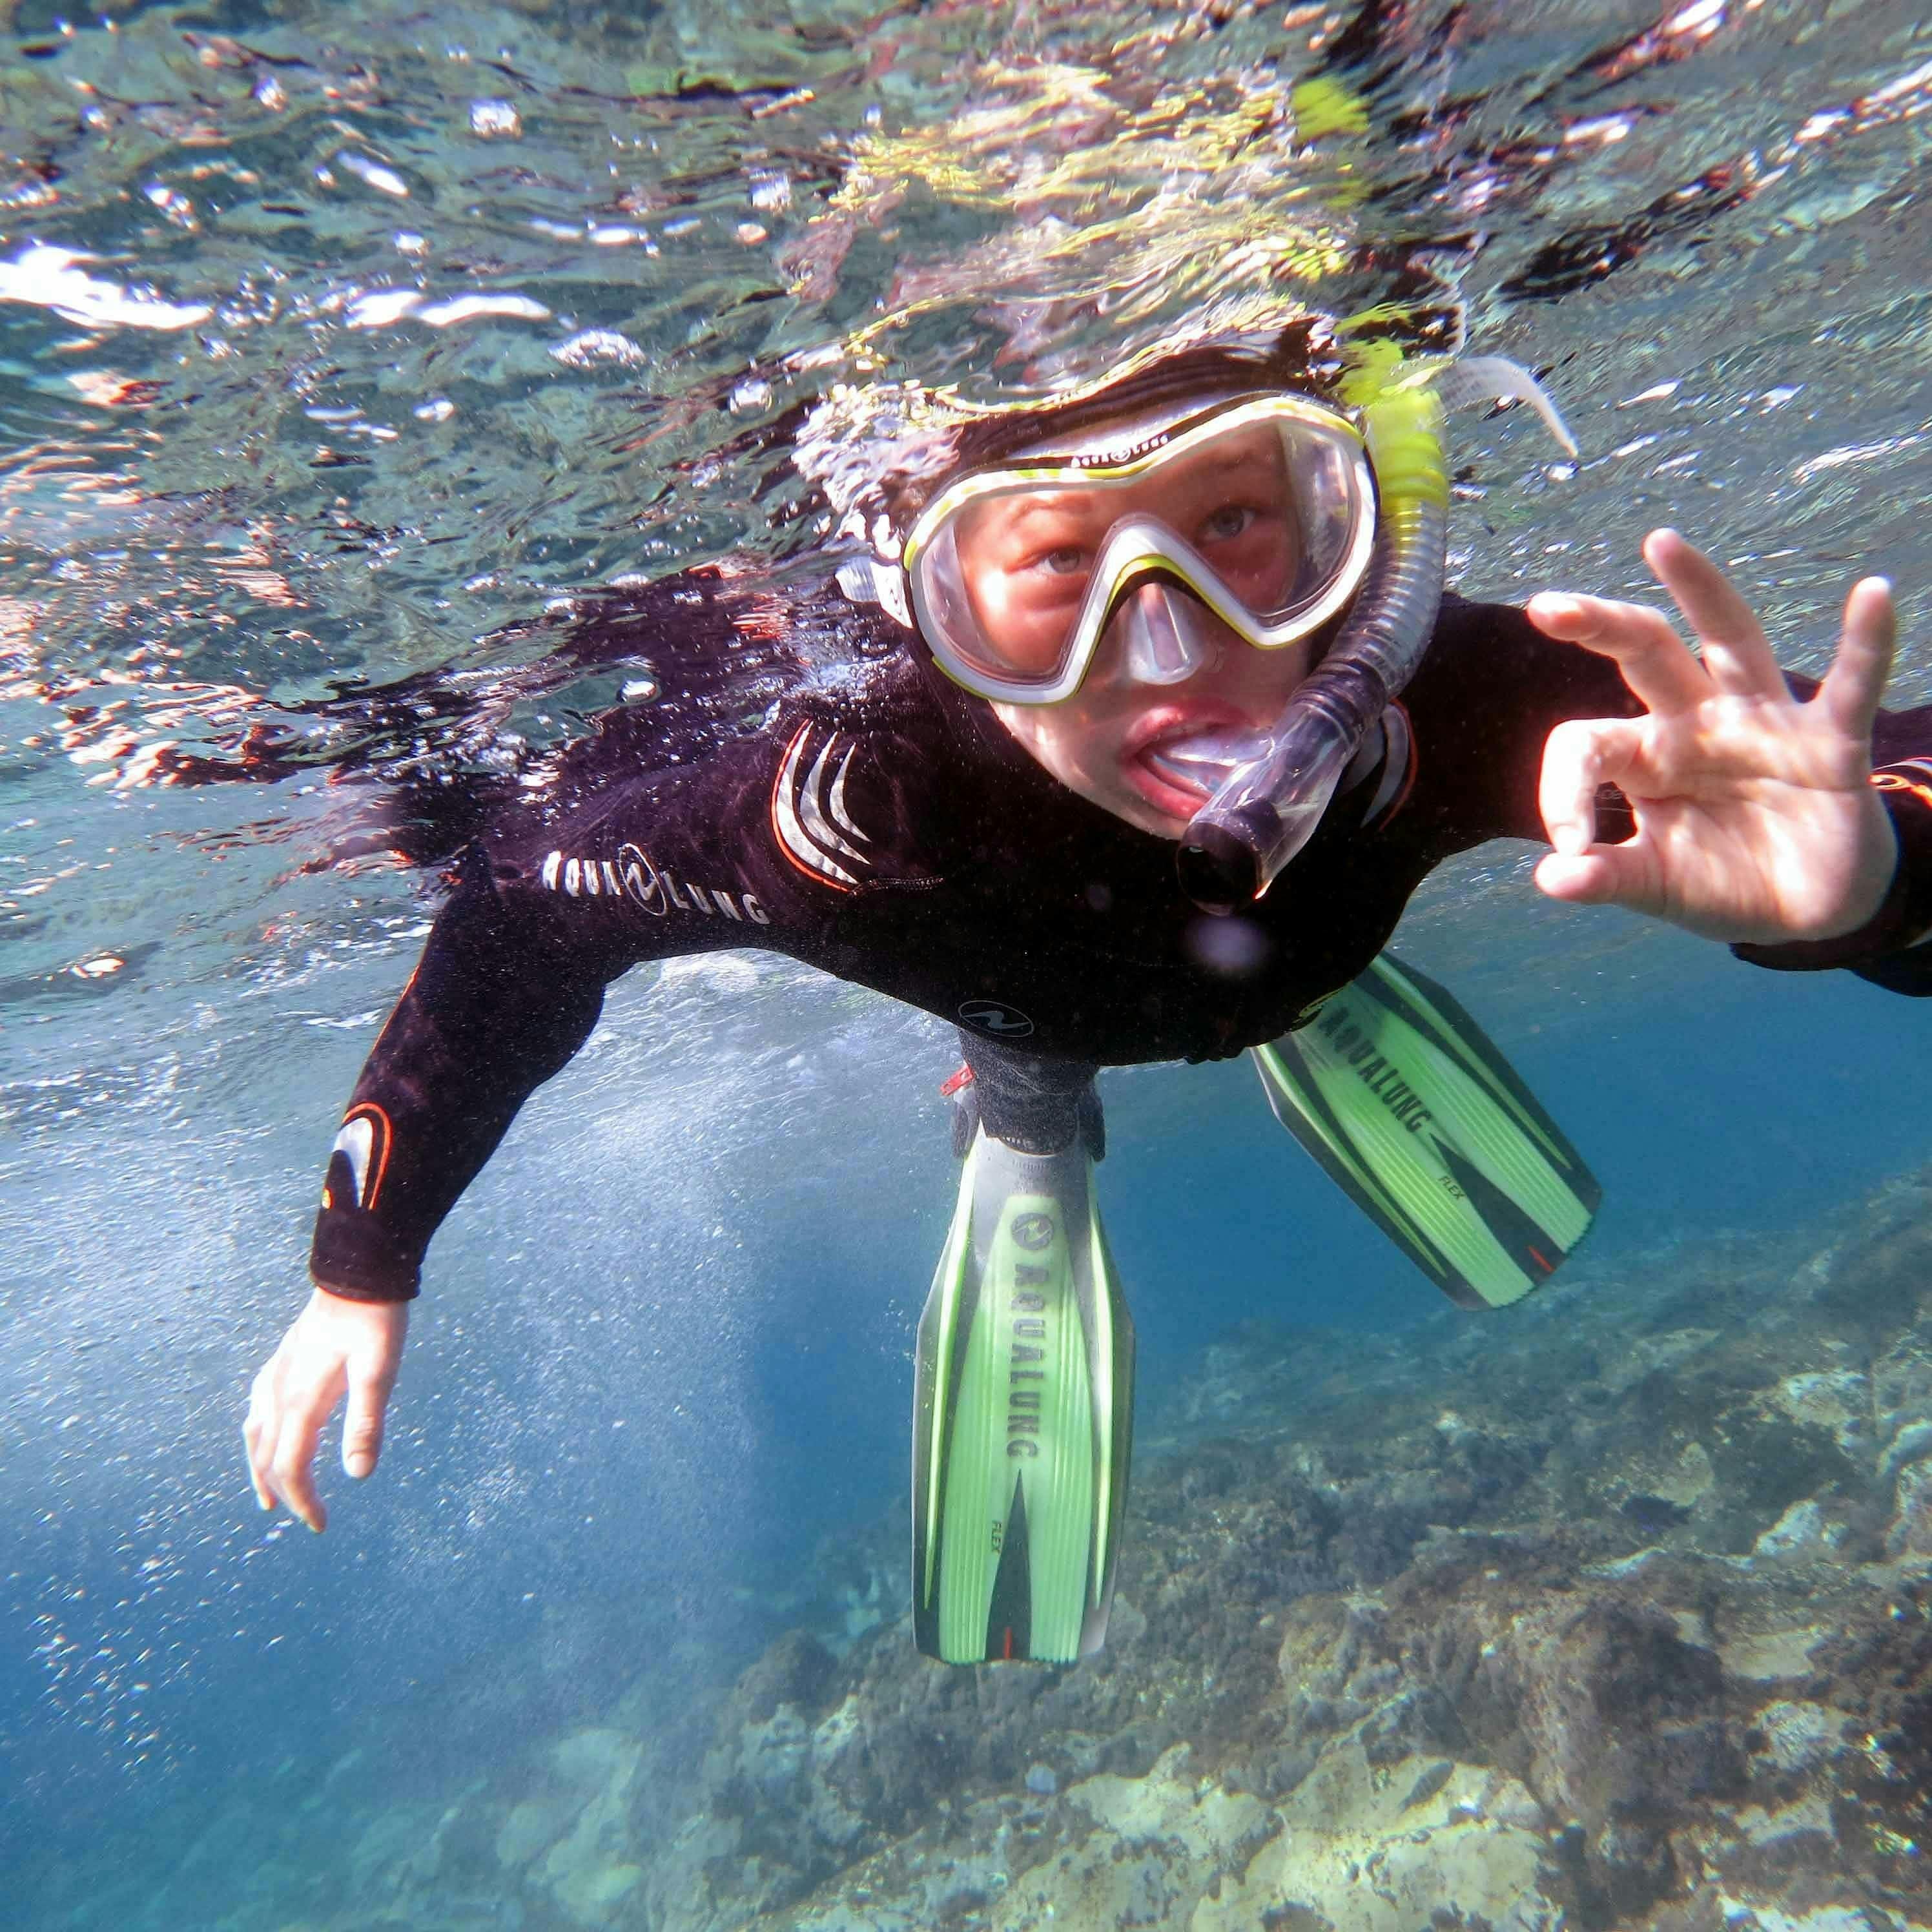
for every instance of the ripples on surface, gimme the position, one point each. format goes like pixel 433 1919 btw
pixel 329 345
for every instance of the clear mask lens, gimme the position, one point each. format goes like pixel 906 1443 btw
pixel 1264 512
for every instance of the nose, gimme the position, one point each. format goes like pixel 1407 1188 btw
pixel 1165 635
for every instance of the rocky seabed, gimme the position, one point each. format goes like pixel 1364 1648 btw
pixel 1612 1610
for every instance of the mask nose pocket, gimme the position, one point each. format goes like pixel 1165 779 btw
pixel 1166 636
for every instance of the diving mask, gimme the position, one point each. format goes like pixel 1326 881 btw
pixel 1262 508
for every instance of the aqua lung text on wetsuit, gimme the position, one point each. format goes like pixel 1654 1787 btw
pixel 632 875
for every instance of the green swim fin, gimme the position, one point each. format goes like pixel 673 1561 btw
pixel 1404 1100
pixel 1025 1421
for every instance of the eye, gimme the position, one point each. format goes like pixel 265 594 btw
pixel 1230 521
pixel 1069 560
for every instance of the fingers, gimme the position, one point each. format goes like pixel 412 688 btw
pixel 1856 681
pixel 258 1435
pixel 1579 756
pixel 288 1403
pixel 1737 654
pixel 292 1471
pixel 336 1345
pixel 1656 662
pixel 369 1387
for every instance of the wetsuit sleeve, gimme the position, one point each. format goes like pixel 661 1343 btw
pixel 503 996
pixel 644 846
pixel 1489 694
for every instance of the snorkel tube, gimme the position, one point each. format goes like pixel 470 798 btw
pixel 1267 811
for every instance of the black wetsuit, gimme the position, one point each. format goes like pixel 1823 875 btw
pixel 882 825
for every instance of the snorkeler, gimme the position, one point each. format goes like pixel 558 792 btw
pixel 1157 715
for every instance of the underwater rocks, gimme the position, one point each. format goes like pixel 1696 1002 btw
pixel 1612 1611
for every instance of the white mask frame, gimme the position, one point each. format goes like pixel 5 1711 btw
pixel 1140 548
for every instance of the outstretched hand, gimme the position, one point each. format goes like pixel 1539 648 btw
pixel 1756 820
pixel 337 1347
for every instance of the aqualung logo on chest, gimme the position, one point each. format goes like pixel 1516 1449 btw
pixel 1354 1048
pixel 1033 1233
pixel 657 890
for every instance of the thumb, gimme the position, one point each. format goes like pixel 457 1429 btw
pixel 362 1426
pixel 1623 875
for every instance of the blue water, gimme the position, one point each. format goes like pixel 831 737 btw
pixel 658 1392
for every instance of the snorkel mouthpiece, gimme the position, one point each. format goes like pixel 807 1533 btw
pixel 1267 811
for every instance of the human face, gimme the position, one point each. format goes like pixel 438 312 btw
pixel 1112 741
pixel 1026 559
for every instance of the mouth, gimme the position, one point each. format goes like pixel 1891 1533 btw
pixel 1179 763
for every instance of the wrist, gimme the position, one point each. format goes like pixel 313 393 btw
pixel 365 1297
pixel 1888 912
pixel 354 1256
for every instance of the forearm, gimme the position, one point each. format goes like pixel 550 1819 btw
pixel 500 1002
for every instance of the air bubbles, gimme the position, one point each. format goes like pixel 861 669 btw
pixel 595 348
pixel 495 120
pixel 52 277
pixel 379 307
pixel 770 190
pixel 375 174
pixel 172 202
pixel 468 308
